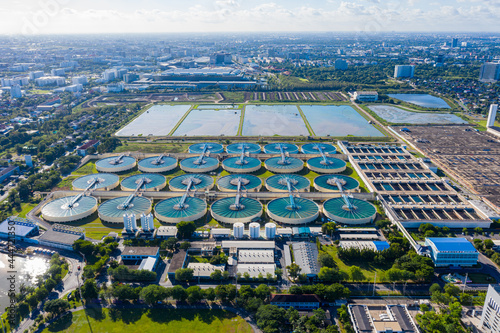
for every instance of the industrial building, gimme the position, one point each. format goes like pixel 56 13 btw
pixel 490 318
pixel 365 96
pixel 24 229
pixel 411 194
pixel 141 257
pixel 306 257
pixel 6 172
pixel 446 251
pixel 204 270
pixel 61 237
pixel 381 319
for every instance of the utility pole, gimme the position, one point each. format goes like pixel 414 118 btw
pixel 465 282
pixel 374 282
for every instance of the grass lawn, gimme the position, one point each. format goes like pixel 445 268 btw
pixel 154 147
pixel 481 278
pixel 66 183
pixel 154 320
pixel 368 269
pixel 25 209
pixel 86 169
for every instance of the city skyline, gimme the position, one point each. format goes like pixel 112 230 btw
pixel 68 16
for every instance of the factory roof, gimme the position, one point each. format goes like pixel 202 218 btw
pixel 177 261
pixel 140 251
pixel 205 269
pixel 23 227
pixel 248 244
pixel 306 256
pixel 63 235
pixel 255 269
pixel 148 263
pixel 446 244
pixel 256 256
pixel 295 298
pixel 166 231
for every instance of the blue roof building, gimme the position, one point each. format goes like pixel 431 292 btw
pixel 18 228
pixel 452 251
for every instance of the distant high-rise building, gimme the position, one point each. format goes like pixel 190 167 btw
pixel 109 75
pixel 492 115
pixel 454 42
pixel 404 71
pixel 490 319
pixel 130 77
pixel 28 160
pixel 57 72
pixel 221 58
pixel 35 75
pixel 490 72
pixel 440 58
pixel 341 64
pixel 16 92
pixel 79 80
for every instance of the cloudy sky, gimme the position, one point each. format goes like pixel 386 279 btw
pixel 118 16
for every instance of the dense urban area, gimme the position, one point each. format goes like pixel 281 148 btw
pixel 279 182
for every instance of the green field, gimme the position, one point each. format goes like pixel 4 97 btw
pixel 25 209
pixel 152 148
pixel 154 320
pixel 367 268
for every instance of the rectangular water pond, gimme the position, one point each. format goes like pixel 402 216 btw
pixel 396 115
pixel 339 120
pixel 202 122
pixel 272 120
pixel 158 120
pixel 423 100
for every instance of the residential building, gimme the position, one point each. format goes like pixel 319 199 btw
pixel 50 81
pixel 80 80
pixel 116 87
pixel 58 72
pixel 490 319
pixel 82 150
pixel 404 71
pixel 447 251
pixel 35 75
pixel 298 302
pixel 16 92
pixel 489 72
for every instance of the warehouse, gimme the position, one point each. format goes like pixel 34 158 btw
pixel 61 237
pixel 306 257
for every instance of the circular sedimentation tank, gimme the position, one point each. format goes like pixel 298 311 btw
pixel 241 165
pixel 157 164
pixel 236 148
pixel 278 183
pixel 214 148
pixel 197 164
pixel 314 148
pixel 289 165
pixel 304 210
pixel 224 210
pixel 360 212
pixel 248 183
pixel 116 164
pixel 171 211
pixel 69 209
pixel 149 181
pixel 112 211
pixel 328 183
pixel 326 164
pixel 199 182
pixel 106 181
pixel 274 148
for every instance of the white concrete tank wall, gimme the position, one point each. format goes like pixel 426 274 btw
pixel 254 230
pixel 270 230
pixel 238 230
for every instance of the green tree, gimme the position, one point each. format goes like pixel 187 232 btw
pixel 270 318
pixel 185 229
pixel 56 306
pixel 185 245
pixel 184 274
pixel 262 292
pixel 293 270
pixel 326 260
pixel 179 293
pixel 216 275
pixel 328 228
pixel 170 243
pixel 194 294
pixel 153 294
pixel 356 274
pixel 90 289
